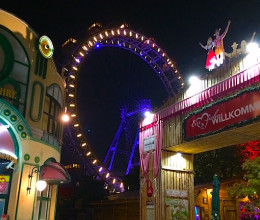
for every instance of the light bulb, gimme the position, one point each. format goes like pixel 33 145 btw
pixel 41 185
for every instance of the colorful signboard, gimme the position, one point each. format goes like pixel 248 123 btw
pixel 223 115
pixel 4 184
pixel 177 209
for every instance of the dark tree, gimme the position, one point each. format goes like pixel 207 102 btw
pixel 225 162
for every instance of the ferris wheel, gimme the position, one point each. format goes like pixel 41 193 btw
pixel 145 48
pixel 127 154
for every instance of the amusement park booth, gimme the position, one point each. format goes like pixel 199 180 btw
pixel 31 102
pixel 230 208
pixel 220 109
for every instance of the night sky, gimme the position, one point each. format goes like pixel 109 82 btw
pixel 111 78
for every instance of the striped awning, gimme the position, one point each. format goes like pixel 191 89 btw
pixel 53 172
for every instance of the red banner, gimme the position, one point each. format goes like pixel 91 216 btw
pixel 221 115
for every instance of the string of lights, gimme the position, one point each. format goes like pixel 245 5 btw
pixel 124 38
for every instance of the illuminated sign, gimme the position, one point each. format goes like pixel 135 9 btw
pixel 46 47
pixel 220 116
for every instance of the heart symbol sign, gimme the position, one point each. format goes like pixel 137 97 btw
pixel 202 121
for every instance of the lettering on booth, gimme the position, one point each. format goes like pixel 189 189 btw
pixel 9 93
pixel 215 118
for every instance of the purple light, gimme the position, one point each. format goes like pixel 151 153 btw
pixel 196 213
pixel 97 45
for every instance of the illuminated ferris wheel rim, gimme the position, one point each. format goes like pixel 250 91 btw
pixel 138 44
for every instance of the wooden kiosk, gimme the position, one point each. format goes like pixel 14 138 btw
pixel 220 110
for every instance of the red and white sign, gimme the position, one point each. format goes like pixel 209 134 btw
pixel 149 144
pixel 217 117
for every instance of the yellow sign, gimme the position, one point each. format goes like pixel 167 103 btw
pixel 4 178
pixel 10 93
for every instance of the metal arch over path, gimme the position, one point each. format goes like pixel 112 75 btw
pixel 144 47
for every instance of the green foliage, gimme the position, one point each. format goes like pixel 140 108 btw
pixel 252 189
pixel 225 162
pixel 236 191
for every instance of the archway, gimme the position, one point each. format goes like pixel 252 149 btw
pixel 13 130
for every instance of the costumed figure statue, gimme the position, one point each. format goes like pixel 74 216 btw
pixel 219 46
pixel 211 58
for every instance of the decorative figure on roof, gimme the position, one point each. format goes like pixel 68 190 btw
pixel 211 58
pixel 219 46
pixel 238 51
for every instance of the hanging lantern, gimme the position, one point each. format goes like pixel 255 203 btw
pixel 149 189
